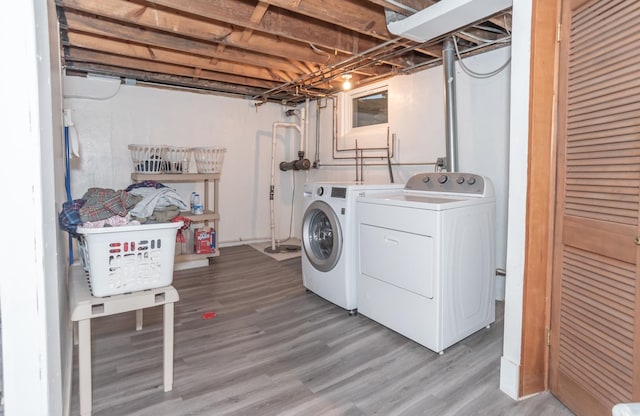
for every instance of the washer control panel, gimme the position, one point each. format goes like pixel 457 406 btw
pixel 448 182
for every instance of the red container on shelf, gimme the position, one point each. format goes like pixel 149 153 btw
pixel 202 237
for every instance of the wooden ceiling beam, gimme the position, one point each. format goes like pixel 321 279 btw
pixel 278 23
pixel 294 48
pixel 137 51
pixel 503 21
pixel 256 17
pixel 367 19
pixel 107 29
pixel 76 57
pixel 164 80
pixel 162 20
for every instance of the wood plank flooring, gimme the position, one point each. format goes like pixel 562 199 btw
pixel 275 349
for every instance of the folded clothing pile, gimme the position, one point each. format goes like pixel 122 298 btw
pixel 139 203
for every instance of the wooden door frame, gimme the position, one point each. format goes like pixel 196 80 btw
pixel 540 197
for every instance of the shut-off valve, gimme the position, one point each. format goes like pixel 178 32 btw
pixel 300 164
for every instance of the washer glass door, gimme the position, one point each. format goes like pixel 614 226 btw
pixel 321 236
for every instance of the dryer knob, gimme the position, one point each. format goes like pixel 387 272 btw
pixel 460 180
pixel 471 180
pixel 442 178
pixel 320 191
pixel 426 179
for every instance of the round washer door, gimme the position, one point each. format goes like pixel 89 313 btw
pixel 321 236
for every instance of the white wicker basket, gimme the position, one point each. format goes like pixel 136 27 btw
pixel 177 159
pixel 209 159
pixel 148 158
pixel 129 258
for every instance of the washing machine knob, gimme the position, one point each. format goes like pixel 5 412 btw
pixel 320 191
pixel 460 180
pixel 471 180
pixel 442 178
pixel 426 179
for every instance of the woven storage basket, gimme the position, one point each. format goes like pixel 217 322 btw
pixel 178 159
pixel 128 258
pixel 148 158
pixel 209 159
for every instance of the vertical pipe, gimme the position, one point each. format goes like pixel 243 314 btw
pixel 448 55
pixel 272 186
pixel 305 141
pixel 316 156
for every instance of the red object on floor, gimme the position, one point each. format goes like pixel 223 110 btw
pixel 208 315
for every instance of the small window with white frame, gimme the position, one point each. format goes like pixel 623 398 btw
pixel 364 117
pixel 370 109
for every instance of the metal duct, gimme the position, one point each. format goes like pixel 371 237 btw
pixel 448 56
pixel 444 17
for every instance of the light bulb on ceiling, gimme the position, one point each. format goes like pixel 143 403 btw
pixel 346 85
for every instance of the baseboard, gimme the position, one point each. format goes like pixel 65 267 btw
pixel 509 377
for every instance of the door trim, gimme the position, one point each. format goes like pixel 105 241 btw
pixel 540 198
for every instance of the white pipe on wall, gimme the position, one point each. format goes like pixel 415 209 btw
pixel 305 140
pixel 272 186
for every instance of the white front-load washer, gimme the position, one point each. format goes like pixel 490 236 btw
pixel 328 239
pixel 426 255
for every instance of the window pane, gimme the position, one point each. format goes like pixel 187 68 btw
pixel 370 109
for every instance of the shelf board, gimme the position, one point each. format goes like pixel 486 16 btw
pixel 182 258
pixel 174 177
pixel 206 216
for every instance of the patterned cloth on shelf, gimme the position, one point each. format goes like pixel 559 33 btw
pixel 102 203
pixel 186 223
pixel 69 217
pixel 146 184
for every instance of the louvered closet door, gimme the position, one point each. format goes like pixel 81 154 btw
pixel 595 330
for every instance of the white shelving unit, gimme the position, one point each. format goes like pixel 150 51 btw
pixel 210 213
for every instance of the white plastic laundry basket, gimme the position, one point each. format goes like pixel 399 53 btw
pixel 129 258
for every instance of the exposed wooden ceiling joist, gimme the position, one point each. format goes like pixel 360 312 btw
pixel 273 49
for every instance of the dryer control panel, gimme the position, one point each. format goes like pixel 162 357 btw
pixel 448 182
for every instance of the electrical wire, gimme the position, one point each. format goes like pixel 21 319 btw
pixel 475 74
pixel 506 39
pixel 83 97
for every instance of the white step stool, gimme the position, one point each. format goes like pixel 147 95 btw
pixel 84 307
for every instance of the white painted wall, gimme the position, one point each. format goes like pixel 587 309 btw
pixel 518 157
pixel 483 131
pixel 34 312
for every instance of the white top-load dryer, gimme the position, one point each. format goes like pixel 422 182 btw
pixel 426 257
pixel 329 238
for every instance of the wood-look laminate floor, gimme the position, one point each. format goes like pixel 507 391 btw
pixel 275 349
